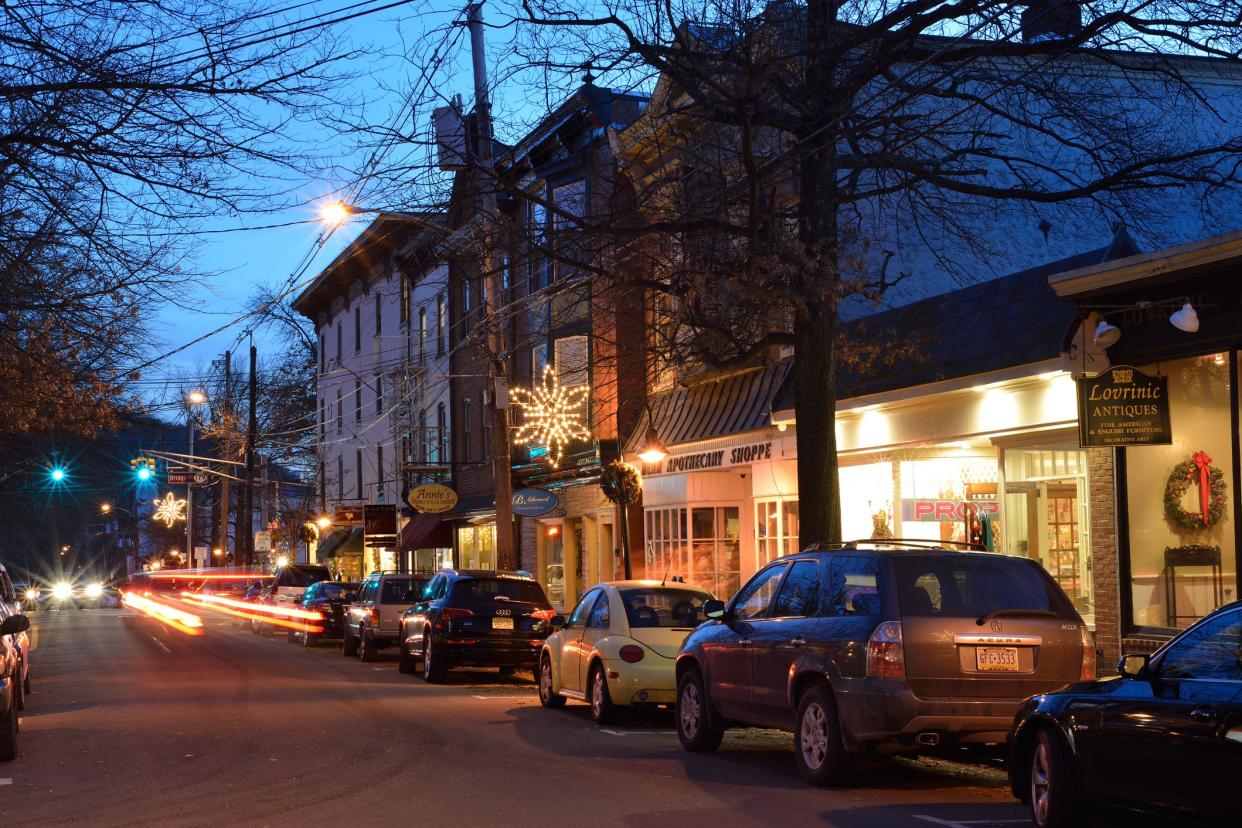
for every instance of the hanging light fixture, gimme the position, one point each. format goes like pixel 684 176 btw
pixel 653 450
pixel 1106 334
pixel 1185 319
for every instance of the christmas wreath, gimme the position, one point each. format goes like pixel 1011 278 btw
pixel 1212 492
pixel 620 482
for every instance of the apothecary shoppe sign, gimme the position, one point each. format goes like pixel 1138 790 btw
pixel 712 459
pixel 1123 407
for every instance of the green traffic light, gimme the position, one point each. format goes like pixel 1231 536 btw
pixel 144 473
pixel 58 474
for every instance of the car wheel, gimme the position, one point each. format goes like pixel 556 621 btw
pixel 603 710
pixel 405 660
pixel 434 667
pixel 349 646
pixel 8 734
pixel 367 649
pixel 818 749
pixel 310 639
pixel 695 729
pixel 1052 790
pixel 548 696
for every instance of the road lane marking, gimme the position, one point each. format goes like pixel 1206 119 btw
pixel 502 698
pixel 965 823
pixel 162 646
pixel 6 781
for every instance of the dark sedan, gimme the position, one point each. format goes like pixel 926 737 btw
pixel 330 599
pixel 1164 738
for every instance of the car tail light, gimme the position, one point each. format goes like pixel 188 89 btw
pixel 448 614
pixel 886 657
pixel 374 615
pixel 1088 655
pixel 543 615
pixel 631 654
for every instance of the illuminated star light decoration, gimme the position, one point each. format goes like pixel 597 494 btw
pixel 169 510
pixel 553 415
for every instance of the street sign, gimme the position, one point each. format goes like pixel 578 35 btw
pixel 432 498
pixel 182 478
pixel 200 556
pixel 347 516
pixel 379 524
pixel 534 502
pixel 263 541
pixel 1123 407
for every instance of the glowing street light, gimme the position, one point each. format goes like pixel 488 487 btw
pixel 335 213
pixel 323 522
pixel 196 398
pixel 282 561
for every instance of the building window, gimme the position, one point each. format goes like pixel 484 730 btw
pixel 340 410
pixel 339 354
pixel 698 543
pixel 422 335
pixel 340 477
pixel 404 302
pixel 323 352
pixel 441 325
pixel 476 545
pixel 358 472
pixel 357 329
pixel 465 294
pixel 379 313
pixel 357 401
pixel 776 529
pixel 422 435
pixel 442 435
pixel 573 360
pixel 506 272
pixel 538 360
pixel 379 395
pixel 466 431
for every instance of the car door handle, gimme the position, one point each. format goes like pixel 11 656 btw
pixel 1203 714
pixel 797 641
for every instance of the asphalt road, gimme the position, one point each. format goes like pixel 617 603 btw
pixel 133 724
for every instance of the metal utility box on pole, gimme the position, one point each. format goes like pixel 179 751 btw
pixel 506 557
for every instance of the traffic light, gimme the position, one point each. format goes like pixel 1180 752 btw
pixel 143 468
pixel 57 473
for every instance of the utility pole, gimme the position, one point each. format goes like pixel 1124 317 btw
pixel 228 447
pixel 246 541
pixel 189 492
pixel 498 392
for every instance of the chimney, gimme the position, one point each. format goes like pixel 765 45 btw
pixel 1051 20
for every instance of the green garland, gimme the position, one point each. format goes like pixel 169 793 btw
pixel 1183 476
pixel 620 482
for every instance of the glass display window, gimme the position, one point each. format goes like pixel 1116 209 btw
pixel 476 546
pixel 776 529
pixel 1180 571
pixel 701 544
pixel 951 498
pixel 866 500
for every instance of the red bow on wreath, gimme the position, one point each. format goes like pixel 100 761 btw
pixel 1204 464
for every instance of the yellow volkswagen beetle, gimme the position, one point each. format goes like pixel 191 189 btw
pixel 619 646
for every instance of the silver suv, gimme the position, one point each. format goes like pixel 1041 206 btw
pixel 374 620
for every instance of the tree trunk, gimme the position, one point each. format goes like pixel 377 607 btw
pixel 815 375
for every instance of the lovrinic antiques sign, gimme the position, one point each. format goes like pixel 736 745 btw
pixel 1123 407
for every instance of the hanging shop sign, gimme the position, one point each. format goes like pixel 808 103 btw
pixel 1123 407
pixel 379 524
pixel 347 516
pixel 534 502
pixel 942 510
pixel 715 459
pixel 432 498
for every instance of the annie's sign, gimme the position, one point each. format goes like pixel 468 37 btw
pixel 714 459
pixel 1123 407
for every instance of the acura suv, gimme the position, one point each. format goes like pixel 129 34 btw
pixel 477 618
pixel 885 646
pixel 373 619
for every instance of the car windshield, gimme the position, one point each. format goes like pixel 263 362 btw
pixel 963 586
pixel 332 589
pixel 664 606
pixel 300 575
pixel 491 589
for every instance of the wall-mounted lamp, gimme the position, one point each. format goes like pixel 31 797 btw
pixel 1106 334
pixel 1185 318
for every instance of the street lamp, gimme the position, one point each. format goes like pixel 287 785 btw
pixel 335 212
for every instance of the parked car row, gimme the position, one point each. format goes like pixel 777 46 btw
pixel 880 648
pixel 14 665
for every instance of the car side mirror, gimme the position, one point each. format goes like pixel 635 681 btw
pixel 1134 666
pixel 714 609
pixel 14 624
pixel 557 622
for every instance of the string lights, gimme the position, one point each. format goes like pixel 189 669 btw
pixel 553 415
pixel 169 510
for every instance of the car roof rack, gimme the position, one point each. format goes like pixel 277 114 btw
pixel 913 544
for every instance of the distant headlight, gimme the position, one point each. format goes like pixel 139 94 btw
pixel 62 591
pixel 32 595
pixel 93 590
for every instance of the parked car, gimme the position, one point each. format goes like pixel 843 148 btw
pixel 11 626
pixel 619 646
pixel 1165 737
pixel 888 646
pixel 374 618
pixel 331 599
pixel 477 618
pixel 286 588
pixel 11 603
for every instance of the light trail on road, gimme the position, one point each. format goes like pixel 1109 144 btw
pixel 179 620
pixel 289 618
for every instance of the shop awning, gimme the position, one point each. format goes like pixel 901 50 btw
pixel 344 540
pixel 425 531
pixel 471 507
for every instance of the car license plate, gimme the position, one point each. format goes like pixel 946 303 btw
pixel 996 659
pixel 502 623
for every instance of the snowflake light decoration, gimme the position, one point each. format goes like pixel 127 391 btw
pixel 169 510
pixel 553 415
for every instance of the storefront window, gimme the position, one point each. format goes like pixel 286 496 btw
pixel 866 501
pixel 700 544
pixel 776 529
pixel 952 498
pixel 1182 570
pixel 1046 519
pixel 475 545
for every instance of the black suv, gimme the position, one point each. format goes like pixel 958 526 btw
pixel 478 618
pixel 331 599
pixel 891 646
